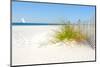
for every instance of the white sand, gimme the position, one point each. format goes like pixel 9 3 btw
pixel 30 45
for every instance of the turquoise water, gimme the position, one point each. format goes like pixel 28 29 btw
pixel 30 23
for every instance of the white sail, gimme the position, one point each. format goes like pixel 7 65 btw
pixel 23 20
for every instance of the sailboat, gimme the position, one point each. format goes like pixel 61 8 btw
pixel 22 20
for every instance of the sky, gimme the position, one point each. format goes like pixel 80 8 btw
pixel 33 12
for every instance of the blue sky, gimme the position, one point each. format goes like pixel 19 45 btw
pixel 50 13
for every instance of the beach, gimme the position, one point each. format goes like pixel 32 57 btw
pixel 31 45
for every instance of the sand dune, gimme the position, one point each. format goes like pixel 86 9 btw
pixel 30 45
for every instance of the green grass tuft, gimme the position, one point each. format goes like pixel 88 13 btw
pixel 68 33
